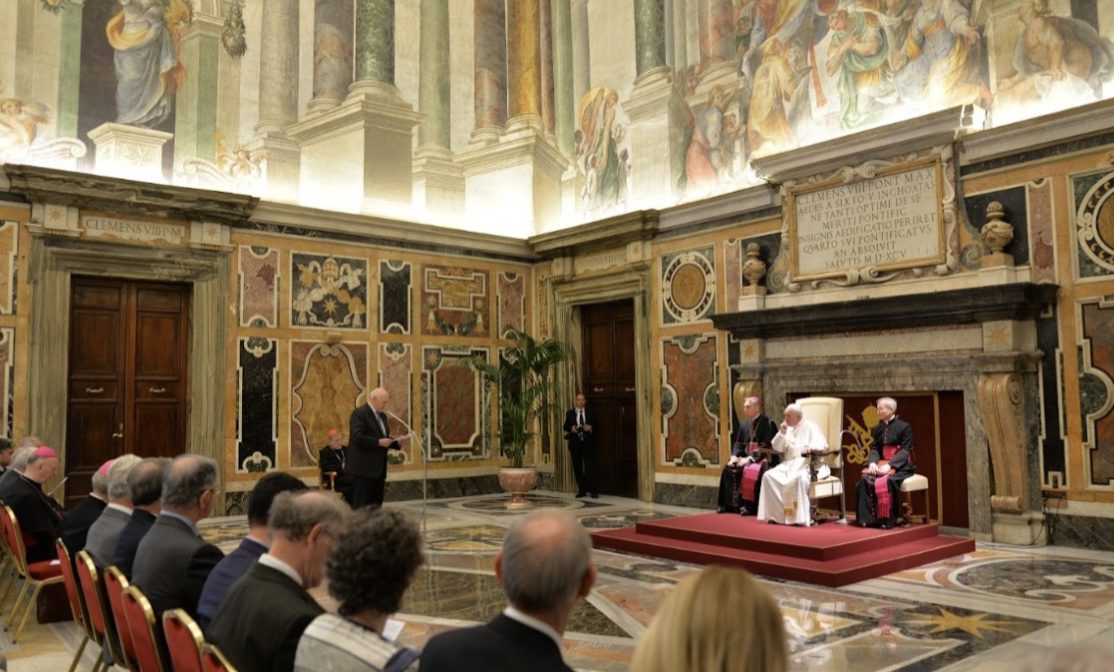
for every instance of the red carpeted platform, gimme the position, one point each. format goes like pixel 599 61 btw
pixel 827 555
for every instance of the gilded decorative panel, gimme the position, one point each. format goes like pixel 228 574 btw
pixel 512 302
pixel 9 250
pixel 394 296
pixel 394 375
pixel 327 382
pixel 688 286
pixel 455 404
pixel 258 278
pixel 455 301
pixel 256 405
pixel 328 291
pixel 1094 225
pixel 1096 388
pixel 690 400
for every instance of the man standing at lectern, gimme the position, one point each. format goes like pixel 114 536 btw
pixel 580 432
pixel 369 440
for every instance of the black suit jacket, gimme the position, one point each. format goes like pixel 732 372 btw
pixel 128 542
pixel 366 458
pixel 261 619
pixel 573 437
pixel 77 521
pixel 332 460
pixel 171 565
pixel 899 433
pixel 503 644
pixel 39 516
pixel 761 430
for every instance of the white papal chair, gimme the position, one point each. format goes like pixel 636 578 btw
pixel 827 413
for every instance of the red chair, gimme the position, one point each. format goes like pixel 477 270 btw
pixel 101 621
pixel 141 624
pixel 114 586
pixel 35 575
pixel 212 660
pixel 183 639
pixel 77 602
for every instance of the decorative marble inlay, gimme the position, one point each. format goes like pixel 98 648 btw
pixel 541 300
pixel 1096 388
pixel 732 271
pixel 328 291
pixel 690 400
pixel 9 252
pixel 1094 224
pixel 394 296
pixel 512 302
pixel 7 381
pixel 328 381
pixel 454 301
pixel 258 277
pixel 256 404
pixel 455 404
pixel 688 285
pixel 395 366
pixel 1042 244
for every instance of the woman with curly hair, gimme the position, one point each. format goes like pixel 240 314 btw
pixel 369 569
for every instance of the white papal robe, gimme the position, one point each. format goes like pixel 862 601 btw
pixel 784 496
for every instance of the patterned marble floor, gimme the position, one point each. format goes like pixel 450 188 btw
pixel 999 608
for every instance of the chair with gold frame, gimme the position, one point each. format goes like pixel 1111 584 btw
pixel 183 640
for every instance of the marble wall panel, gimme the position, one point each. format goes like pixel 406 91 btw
pixel 9 251
pixel 394 296
pixel 1096 388
pixel 7 381
pixel 327 382
pixel 541 294
pixel 733 255
pixel 328 291
pixel 688 286
pixel 256 405
pixel 1093 198
pixel 1051 440
pixel 690 400
pixel 394 375
pixel 455 404
pixel 1042 258
pixel 258 291
pixel 512 302
pixel 455 301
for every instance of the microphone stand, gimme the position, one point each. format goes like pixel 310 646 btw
pixel 411 434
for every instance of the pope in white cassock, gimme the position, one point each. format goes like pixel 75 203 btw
pixel 784 495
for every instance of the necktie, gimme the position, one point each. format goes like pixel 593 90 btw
pixel 382 425
pixel 580 417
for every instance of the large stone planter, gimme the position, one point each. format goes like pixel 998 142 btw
pixel 518 482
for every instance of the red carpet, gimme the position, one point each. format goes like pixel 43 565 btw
pixel 827 555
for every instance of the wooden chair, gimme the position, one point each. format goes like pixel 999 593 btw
pixel 103 625
pixel 183 639
pixel 77 603
pixel 141 625
pixel 212 660
pixel 114 586
pixel 827 413
pixel 915 483
pixel 35 575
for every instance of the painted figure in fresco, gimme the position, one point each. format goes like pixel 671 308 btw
pixel 939 62
pixel 1057 58
pixel 145 36
pixel 711 152
pixel 20 124
pixel 857 55
pixel 597 154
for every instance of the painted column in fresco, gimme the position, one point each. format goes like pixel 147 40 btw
pixel 680 35
pixel 433 76
pixel 545 62
pixel 717 36
pixel 69 69
pixel 278 77
pixel 523 28
pixel 564 105
pixel 490 54
pixel 375 43
pixel 649 35
pixel 332 52
pixel 581 54
pixel 195 105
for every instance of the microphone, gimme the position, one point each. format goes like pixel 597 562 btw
pixel 409 432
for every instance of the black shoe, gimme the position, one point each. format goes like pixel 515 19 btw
pixel 581 494
pixel 595 495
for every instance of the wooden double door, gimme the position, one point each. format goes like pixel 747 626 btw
pixel 127 385
pixel 609 384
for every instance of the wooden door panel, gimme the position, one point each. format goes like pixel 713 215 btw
pixel 598 346
pixel 624 375
pixel 95 348
pixel 157 429
pixel 97 293
pixel 89 428
pixel 608 336
pixel 155 337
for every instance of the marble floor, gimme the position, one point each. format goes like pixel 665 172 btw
pixel 997 609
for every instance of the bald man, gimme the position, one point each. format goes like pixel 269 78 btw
pixel 369 439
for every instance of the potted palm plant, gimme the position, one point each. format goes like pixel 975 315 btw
pixel 527 388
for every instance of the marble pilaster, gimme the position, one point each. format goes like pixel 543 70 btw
pixel 564 104
pixel 523 67
pixel 195 108
pixel 333 53
pixel 490 45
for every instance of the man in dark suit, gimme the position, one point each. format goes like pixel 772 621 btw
pixel 78 520
pixel 369 440
pixel 173 561
pixel 332 459
pixel 580 432
pixel 740 482
pixel 890 462
pixel 546 568
pixel 238 562
pixel 144 483
pixel 38 514
pixel 265 612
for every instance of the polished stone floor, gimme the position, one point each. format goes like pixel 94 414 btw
pixel 997 609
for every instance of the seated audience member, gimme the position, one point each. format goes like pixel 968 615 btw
pixel 720 620
pixel 105 530
pixel 331 459
pixel 265 612
pixel 890 462
pixel 76 521
pixel 741 480
pixel 173 561
pixel 38 514
pixel 7 450
pixel 545 568
pixel 238 562
pixel 20 455
pixel 784 496
pixel 145 489
pixel 369 569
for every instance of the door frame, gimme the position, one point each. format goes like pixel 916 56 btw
pixel 53 262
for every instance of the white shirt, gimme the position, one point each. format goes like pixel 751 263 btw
pixel 531 622
pixel 268 560
pixel 580 416
pixel 120 507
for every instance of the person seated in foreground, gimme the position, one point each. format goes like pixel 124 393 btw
pixel 39 516
pixel 100 543
pixel 784 495
pixel 20 456
pixel 77 521
pixel 741 480
pixel 144 483
pixel 332 459
pixel 545 568
pixel 721 620
pixel 890 462
pixel 265 612
pixel 371 566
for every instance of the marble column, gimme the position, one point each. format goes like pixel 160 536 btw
pixel 564 103
pixel 523 67
pixel 375 44
pixel 679 36
pixel 581 52
pixel 195 104
pixel 545 65
pixel 649 35
pixel 438 181
pixel 333 53
pixel 490 54
pixel 278 99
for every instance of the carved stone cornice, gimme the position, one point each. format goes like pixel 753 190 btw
pixel 725 207
pixel 1032 134
pixel 639 225
pixel 95 192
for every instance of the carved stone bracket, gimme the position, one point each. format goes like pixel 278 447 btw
pixel 1000 401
